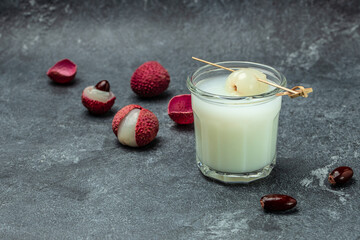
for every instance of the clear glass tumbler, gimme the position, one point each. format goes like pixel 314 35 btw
pixel 235 136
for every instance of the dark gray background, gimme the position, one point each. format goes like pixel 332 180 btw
pixel 63 174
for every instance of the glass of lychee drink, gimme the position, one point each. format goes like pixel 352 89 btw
pixel 236 120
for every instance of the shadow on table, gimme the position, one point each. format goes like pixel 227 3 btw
pixel 156 143
pixel 182 128
pixel 352 181
pixel 163 96
pixel 109 114
pixel 73 83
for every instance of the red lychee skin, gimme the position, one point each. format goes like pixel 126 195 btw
pixel 150 79
pixel 146 128
pixel 63 71
pixel 180 110
pixel 97 107
pixel 149 123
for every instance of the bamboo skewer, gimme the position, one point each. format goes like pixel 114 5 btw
pixel 294 92
pixel 214 64
pixel 278 86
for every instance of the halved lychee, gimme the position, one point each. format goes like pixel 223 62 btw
pixel 180 110
pixel 63 71
pixel 150 79
pixel 135 126
pixel 98 99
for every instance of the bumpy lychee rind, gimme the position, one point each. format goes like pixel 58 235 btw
pixel 146 128
pixel 150 79
pixel 63 71
pixel 120 115
pixel 97 107
pixel 180 110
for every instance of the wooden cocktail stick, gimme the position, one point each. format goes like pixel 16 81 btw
pixel 291 92
pixel 214 64
pixel 300 91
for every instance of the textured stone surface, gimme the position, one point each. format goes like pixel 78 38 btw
pixel 63 175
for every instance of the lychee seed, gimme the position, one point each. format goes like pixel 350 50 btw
pixel 150 79
pixel 103 85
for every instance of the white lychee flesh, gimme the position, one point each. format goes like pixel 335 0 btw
pixel 96 94
pixel 126 131
pixel 243 82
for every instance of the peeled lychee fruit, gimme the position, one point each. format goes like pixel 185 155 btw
pixel 98 99
pixel 243 82
pixel 150 79
pixel 180 110
pixel 63 71
pixel 135 126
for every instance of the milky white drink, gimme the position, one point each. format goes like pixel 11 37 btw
pixel 236 136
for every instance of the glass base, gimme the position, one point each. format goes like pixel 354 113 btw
pixel 235 177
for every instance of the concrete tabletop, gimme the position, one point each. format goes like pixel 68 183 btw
pixel 64 175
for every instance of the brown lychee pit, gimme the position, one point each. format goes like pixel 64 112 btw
pixel 103 85
pixel 98 95
pixel 126 130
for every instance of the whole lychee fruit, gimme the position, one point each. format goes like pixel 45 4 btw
pixel 135 126
pixel 180 110
pixel 63 71
pixel 150 79
pixel 98 99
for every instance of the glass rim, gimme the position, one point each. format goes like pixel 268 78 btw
pixel 195 90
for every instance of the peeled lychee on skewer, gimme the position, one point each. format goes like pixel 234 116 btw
pixel 98 99
pixel 135 126
pixel 243 82
pixel 150 79
pixel 63 71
